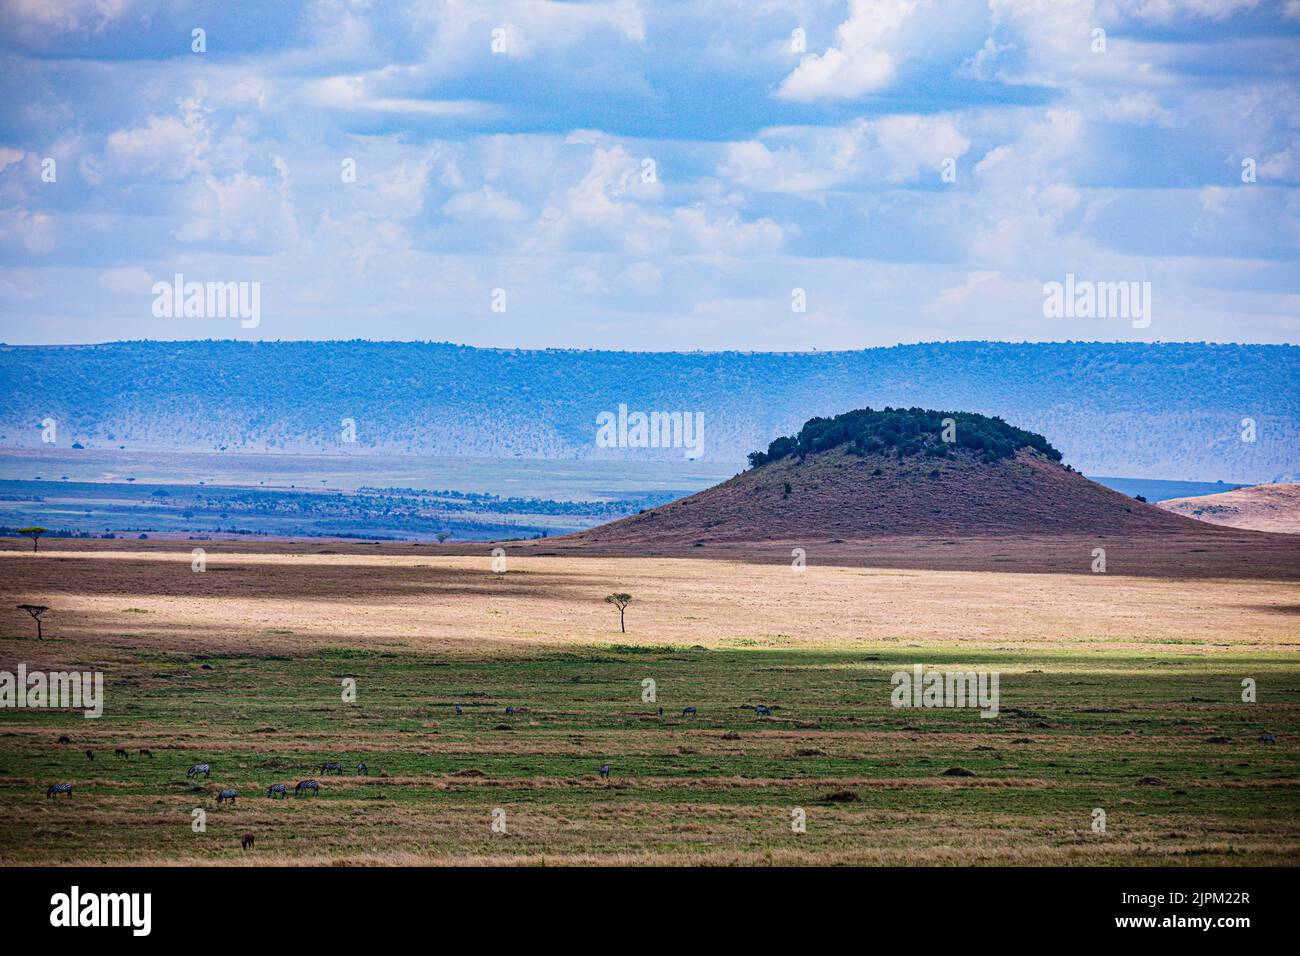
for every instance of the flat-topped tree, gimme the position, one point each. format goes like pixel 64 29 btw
pixel 35 610
pixel 621 601
pixel 34 532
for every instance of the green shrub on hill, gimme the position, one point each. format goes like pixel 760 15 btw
pixel 905 432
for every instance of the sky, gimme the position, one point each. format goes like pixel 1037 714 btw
pixel 704 174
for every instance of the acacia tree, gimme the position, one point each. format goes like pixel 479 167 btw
pixel 621 601
pixel 35 610
pixel 34 533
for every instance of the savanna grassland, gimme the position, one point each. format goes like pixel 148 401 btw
pixel 1117 692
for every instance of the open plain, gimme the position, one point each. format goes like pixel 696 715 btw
pixel 1118 693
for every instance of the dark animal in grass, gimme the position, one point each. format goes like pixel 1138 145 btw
pixel 198 768
pixel 458 710
pixel 335 767
pixel 362 769
pixel 90 755
pixel 57 789
pixel 510 710
pixel 307 786
pixel 247 841
pixel 65 739
pixel 146 752
pixel 279 788
pixel 1267 739
pixel 121 752
pixel 228 794
pixel 762 711
pixel 604 770
pixel 688 711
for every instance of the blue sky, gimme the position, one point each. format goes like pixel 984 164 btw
pixel 526 168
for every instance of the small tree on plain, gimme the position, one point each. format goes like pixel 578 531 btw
pixel 442 536
pixel 34 533
pixel 621 601
pixel 35 610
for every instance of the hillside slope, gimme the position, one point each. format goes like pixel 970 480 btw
pixel 1260 508
pixel 812 487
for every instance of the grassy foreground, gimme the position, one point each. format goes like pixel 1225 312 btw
pixel 1159 740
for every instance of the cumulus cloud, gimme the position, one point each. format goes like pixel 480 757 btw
pixel 862 59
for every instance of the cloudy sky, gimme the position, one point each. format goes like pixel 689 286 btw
pixel 650 175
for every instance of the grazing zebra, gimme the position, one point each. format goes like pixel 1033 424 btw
pixel 305 786
pixel 246 842
pixel 458 710
pixel 604 770
pixel 275 788
pixel 121 752
pixel 362 769
pixel 65 739
pixel 228 794
pixel 90 755
pixel 146 752
pixel 688 711
pixel 331 767
pixel 57 789
pixel 762 711
pixel 198 768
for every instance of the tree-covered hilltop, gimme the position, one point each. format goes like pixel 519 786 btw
pixel 905 432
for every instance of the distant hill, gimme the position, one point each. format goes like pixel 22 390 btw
pixel 869 474
pixel 1261 508
pixel 1160 411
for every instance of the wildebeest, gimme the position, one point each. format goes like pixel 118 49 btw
pixel 307 786
pixel 688 711
pixel 146 752
pixel 90 755
pixel 275 788
pixel 228 794
pixel 604 770
pixel 198 768
pixel 65 739
pixel 362 769
pixel 510 710
pixel 246 842
pixel 762 711
pixel 458 710
pixel 57 789
pixel 1267 739
pixel 335 767
pixel 121 752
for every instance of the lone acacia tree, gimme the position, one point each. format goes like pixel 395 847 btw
pixel 621 601
pixel 34 533
pixel 35 610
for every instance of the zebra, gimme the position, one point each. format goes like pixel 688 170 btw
pixel 57 789
pixel 198 768
pixel 688 711
pixel 305 786
pixel 146 752
pixel 335 767
pixel 279 788
pixel 65 739
pixel 228 794
pixel 121 752
pixel 458 710
pixel 762 711
pixel 362 769
pixel 246 842
pixel 604 770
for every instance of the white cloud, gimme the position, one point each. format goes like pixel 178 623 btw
pixel 861 61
